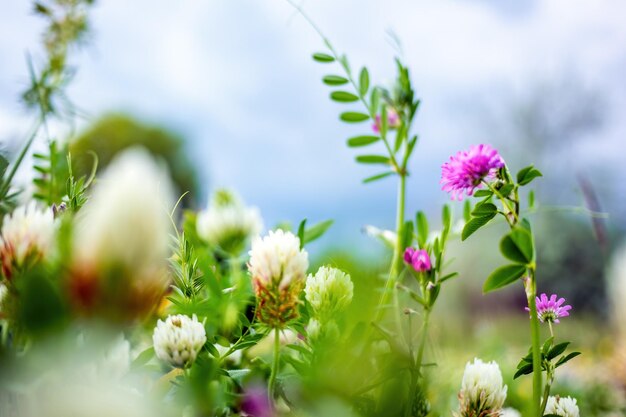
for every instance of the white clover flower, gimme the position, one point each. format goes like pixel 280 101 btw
pixel 328 292
pixel 126 223
pixel 227 223
pixel 277 259
pixel 510 412
pixel 482 391
pixel 28 231
pixel 562 406
pixel 178 339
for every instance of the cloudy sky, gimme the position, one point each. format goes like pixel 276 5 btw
pixel 235 77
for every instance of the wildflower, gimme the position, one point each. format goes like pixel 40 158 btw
pixel 418 259
pixel 178 339
pixel 121 240
pixel 393 120
pixel 27 235
pixel 482 391
pixel 328 292
pixel 256 402
pixel 550 310
pixel 227 223
pixel 278 268
pixel 467 169
pixel 510 412
pixel 564 407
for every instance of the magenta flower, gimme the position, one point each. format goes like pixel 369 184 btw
pixel 550 310
pixel 393 121
pixel 418 259
pixel 255 402
pixel 467 169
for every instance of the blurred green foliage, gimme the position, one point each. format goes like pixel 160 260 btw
pixel 113 133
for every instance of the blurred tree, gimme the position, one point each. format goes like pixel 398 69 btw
pixel 113 133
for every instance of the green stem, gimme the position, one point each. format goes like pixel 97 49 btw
pixel 535 335
pixel 417 370
pixel 7 181
pixel 396 262
pixel 504 203
pixel 546 394
pixel 274 373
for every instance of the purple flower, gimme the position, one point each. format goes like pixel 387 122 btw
pixel 418 259
pixel 255 402
pixel 465 171
pixel 550 310
pixel 393 121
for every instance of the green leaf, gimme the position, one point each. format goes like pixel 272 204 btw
pixel 298 348
pixel 524 370
pixel 467 211
pixel 484 210
pixel 343 97
pixel 372 159
pixel 503 276
pixel 384 122
pixel 567 358
pixel 407 234
pixel 322 57
pixel 449 276
pixel 483 193
pixel 301 229
pixel 362 140
pixel 474 224
pixel 506 189
pixel 317 230
pixel 557 350
pixel 446 220
pixel 4 164
pixel 143 358
pixel 520 253
pixel 531 199
pixel 334 80
pixel 374 101
pixel 353 117
pixel 547 345
pixel 364 81
pixel 422 228
pixel 377 177
pixel 526 175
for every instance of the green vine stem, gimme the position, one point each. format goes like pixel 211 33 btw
pixel 271 388
pixel 531 293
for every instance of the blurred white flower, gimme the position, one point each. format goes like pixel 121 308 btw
pixel 277 259
pixel 510 412
pixel 233 357
pixel 121 240
pixel 112 363
pixel 178 339
pixel 386 236
pixel 482 390
pixel 76 399
pixel 227 223
pixel 562 406
pixel 328 292
pixel 27 231
pixel 125 223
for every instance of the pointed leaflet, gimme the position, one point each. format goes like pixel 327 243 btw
pixel 503 276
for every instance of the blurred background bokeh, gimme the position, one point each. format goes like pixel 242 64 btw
pixel 226 93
